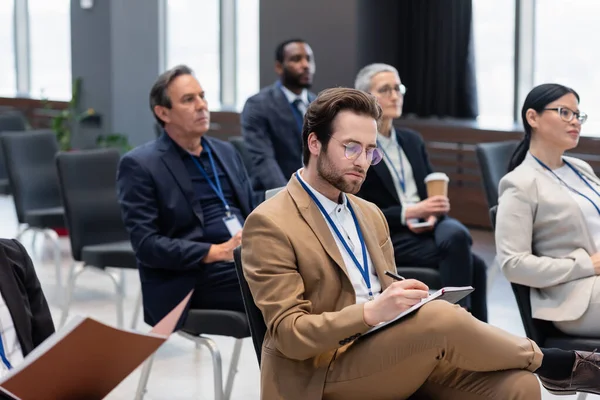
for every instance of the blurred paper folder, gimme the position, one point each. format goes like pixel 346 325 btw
pixel 85 360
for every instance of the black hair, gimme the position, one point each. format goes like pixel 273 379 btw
pixel 537 99
pixel 281 48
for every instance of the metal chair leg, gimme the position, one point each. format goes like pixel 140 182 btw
pixel 233 367
pixel 216 360
pixel 119 283
pixel 75 270
pixel 141 389
pixel 53 236
pixel 136 310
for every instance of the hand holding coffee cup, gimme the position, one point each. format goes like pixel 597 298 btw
pixel 437 184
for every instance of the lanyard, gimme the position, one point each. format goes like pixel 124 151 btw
pixel 3 356
pixel 216 188
pixel 364 269
pixel 569 187
pixel 400 176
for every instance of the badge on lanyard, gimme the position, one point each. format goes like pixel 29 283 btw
pixel 230 220
pixel 233 224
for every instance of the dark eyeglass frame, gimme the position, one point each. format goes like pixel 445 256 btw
pixel 370 152
pixel 387 90
pixel 581 116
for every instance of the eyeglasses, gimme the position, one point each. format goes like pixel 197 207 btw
pixel 387 90
pixel 353 150
pixel 567 114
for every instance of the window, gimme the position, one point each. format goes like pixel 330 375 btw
pixel 8 78
pixel 50 48
pixel 193 38
pixel 566 42
pixel 494 37
pixel 247 50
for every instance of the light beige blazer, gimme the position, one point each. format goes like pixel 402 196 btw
pixel 299 281
pixel 543 241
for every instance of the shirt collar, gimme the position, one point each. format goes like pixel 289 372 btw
pixel 291 96
pixel 386 141
pixel 327 204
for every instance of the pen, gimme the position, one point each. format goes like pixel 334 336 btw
pixel 394 276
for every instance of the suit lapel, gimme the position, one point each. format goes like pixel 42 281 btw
pixel 284 111
pixel 232 176
pixel 373 248
pixel 14 300
pixel 313 217
pixel 385 175
pixel 175 165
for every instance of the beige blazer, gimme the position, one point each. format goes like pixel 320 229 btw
pixel 543 241
pixel 300 283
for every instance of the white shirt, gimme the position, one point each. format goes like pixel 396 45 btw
pixel 342 218
pixel 8 334
pixel 394 154
pixel 590 214
pixel 291 97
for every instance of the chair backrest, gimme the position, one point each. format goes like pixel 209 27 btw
pixel 29 162
pixel 11 120
pixel 493 160
pixel 89 194
pixel 240 145
pixel 272 192
pixel 255 317
pixel 536 329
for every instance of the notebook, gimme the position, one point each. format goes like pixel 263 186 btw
pixel 450 294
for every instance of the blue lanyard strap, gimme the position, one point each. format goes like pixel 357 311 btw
pixel 364 269
pixel 215 186
pixel 3 355
pixel 400 176
pixel 571 188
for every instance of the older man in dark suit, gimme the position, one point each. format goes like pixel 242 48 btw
pixel 25 319
pixel 184 199
pixel 397 187
pixel 272 119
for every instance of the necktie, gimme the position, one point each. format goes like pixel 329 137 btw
pixel 299 104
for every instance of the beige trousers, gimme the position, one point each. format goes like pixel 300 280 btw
pixel 441 352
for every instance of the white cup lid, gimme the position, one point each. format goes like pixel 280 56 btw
pixel 437 176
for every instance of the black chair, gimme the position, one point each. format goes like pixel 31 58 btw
pixel 240 145
pixel 493 160
pixel 258 329
pixel 10 121
pixel 29 160
pixel 544 333
pixel 96 230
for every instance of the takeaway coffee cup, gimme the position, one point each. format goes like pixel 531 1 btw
pixel 437 184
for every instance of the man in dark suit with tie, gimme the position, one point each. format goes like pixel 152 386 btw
pixel 184 198
pixel 25 319
pixel 397 187
pixel 272 119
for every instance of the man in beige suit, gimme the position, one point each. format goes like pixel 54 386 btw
pixel 315 257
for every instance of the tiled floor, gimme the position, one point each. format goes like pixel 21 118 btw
pixel 180 371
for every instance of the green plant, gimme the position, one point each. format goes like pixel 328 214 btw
pixel 114 140
pixel 64 121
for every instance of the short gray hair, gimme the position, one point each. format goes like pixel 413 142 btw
pixel 158 93
pixel 366 74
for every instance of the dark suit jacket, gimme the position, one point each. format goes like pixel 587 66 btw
pixel 165 222
pixel 378 186
pixel 23 296
pixel 273 137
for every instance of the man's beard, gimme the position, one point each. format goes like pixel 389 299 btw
pixel 335 178
pixel 292 80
